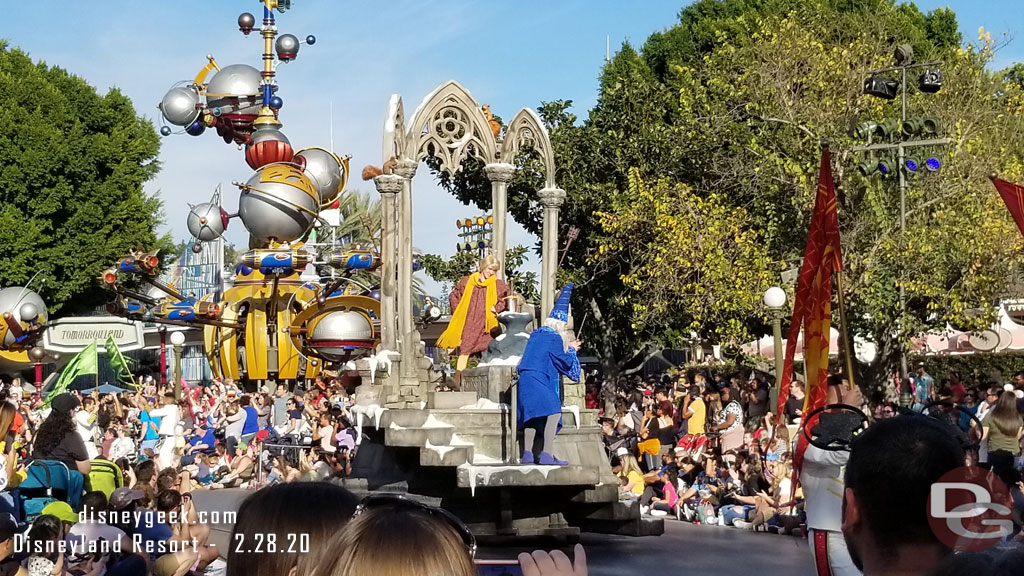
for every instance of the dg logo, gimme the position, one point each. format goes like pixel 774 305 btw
pixel 970 509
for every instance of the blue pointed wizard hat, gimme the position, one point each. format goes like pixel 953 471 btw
pixel 560 311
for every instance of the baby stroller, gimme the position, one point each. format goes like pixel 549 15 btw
pixel 104 476
pixel 48 481
pixel 695 445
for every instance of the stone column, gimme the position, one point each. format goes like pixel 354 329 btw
pixel 551 199
pixel 500 175
pixel 406 170
pixel 389 186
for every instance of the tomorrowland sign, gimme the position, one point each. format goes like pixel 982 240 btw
pixel 72 335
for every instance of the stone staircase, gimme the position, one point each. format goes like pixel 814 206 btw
pixel 453 435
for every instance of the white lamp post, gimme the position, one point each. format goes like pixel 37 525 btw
pixel 177 339
pixel 775 301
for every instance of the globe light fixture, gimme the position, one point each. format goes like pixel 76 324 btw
pixel 177 338
pixel 774 297
pixel 775 300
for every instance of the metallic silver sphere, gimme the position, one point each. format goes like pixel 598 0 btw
pixel 246 22
pixel 287 47
pixel 325 169
pixel 29 311
pixel 180 106
pixel 348 327
pixel 235 81
pixel 21 303
pixel 206 222
pixel 268 145
pixel 278 202
pixel 37 354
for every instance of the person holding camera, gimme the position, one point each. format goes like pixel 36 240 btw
pixel 694 410
pixel 729 422
pixel 757 403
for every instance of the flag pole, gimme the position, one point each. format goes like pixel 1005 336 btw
pixel 844 330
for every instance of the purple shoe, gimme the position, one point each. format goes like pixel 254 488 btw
pixel 527 457
pixel 547 459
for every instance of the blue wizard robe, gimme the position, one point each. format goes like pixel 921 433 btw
pixel 543 363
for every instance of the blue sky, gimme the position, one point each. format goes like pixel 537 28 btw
pixel 509 54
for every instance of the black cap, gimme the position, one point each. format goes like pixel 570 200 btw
pixel 8 527
pixel 65 403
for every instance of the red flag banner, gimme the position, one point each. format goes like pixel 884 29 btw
pixel 1013 195
pixel 812 308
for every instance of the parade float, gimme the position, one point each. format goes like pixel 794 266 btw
pixel 457 449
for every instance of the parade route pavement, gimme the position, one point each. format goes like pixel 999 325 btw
pixel 695 549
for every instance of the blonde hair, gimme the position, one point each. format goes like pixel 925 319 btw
pixel 397 541
pixel 629 464
pixel 489 261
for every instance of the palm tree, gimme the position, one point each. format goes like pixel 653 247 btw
pixel 361 222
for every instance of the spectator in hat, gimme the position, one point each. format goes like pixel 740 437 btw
pixel 58 439
pixel 240 470
pixel 94 529
pixel 9 566
pixel 630 474
pixel 202 442
pixel 126 501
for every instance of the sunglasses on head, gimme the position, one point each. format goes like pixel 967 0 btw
pixel 396 500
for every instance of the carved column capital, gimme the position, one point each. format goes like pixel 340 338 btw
pixel 406 168
pixel 500 172
pixel 551 197
pixel 388 183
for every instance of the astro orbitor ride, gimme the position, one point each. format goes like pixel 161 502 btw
pixel 270 325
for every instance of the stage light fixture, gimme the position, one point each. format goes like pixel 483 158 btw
pixel 930 81
pixel 904 54
pixel 865 129
pixel 888 129
pixel 912 126
pixel 886 166
pixel 881 87
pixel 933 164
pixel 912 164
pixel 867 167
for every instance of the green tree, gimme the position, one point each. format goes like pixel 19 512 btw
pixel 688 263
pixel 72 165
pixel 361 220
pixel 733 102
pixel 448 271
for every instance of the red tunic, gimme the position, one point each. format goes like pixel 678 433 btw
pixel 474 338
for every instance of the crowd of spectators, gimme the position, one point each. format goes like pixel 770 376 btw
pixel 706 449
pixel 161 451
pixel 703 449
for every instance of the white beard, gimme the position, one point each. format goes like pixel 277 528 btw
pixel 562 328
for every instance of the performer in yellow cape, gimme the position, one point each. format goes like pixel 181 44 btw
pixel 476 302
